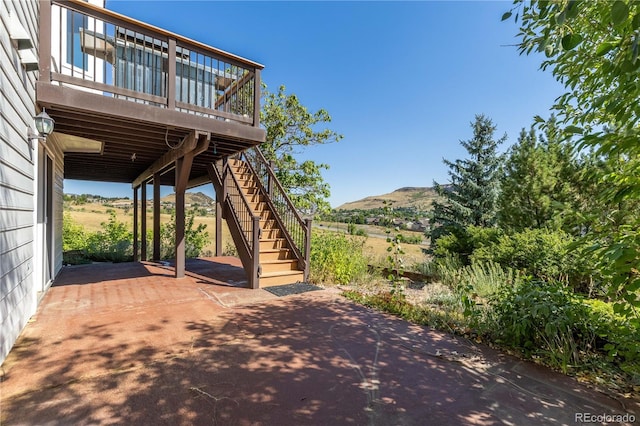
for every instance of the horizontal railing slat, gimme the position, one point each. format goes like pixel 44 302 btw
pixel 89 84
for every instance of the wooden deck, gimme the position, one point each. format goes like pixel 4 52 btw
pixel 140 91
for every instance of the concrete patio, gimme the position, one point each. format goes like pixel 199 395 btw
pixel 129 344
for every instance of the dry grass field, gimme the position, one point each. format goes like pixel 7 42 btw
pixel 376 244
pixel 90 216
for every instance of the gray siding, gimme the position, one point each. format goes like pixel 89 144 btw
pixel 18 294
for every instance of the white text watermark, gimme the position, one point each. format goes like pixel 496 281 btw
pixel 604 418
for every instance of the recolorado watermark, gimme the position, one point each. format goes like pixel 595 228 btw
pixel 604 418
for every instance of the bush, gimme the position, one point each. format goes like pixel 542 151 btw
pixel 195 238
pixel 352 229
pixel 540 253
pixel 617 337
pixel 411 239
pixel 337 258
pixel 463 242
pixel 74 237
pixel 113 243
pixel 544 319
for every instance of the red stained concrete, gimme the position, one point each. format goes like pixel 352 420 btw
pixel 127 344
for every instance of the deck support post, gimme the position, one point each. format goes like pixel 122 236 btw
pixel 254 279
pixel 183 168
pixel 307 248
pixel 143 222
pixel 135 224
pixel 156 217
pixel 218 226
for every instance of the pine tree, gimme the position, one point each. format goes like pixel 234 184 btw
pixel 471 197
pixel 536 181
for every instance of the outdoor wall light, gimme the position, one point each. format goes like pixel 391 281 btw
pixel 44 126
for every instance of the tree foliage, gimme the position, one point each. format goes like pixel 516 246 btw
pixel 291 127
pixel 592 48
pixel 471 197
pixel 195 237
pixel 536 182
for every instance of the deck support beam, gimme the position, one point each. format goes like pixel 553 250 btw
pixel 197 142
pixel 183 168
pixel 218 226
pixel 182 171
pixel 156 217
pixel 143 222
pixel 135 224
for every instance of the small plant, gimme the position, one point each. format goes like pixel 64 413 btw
pixel 352 229
pixel 230 250
pixel 394 259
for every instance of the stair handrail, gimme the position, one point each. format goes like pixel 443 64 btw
pixel 299 239
pixel 249 229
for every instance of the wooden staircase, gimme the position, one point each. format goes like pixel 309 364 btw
pixel 270 255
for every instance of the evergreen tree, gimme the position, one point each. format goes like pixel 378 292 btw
pixel 536 182
pixel 592 48
pixel 471 197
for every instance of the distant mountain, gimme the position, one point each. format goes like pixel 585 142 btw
pixel 419 197
pixel 191 198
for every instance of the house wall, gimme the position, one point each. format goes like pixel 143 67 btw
pixel 18 298
pixel 22 244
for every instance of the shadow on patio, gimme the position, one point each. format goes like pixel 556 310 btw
pixel 175 355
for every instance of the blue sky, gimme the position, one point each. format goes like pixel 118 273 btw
pixel 401 80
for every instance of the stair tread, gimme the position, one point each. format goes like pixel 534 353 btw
pixel 281 273
pixel 274 261
pixel 275 250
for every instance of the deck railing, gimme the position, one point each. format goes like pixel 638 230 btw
pixel 238 203
pixel 98 50
pixel 297 229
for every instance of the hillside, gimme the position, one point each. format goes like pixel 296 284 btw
pixel 418 197
pixel 191 198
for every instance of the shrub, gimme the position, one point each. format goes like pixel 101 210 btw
pixel 540 253
pixel 337 258
pixel 617 337
pixel 411 239
pixel 195 238
pixel 74 237
pixel 113 243
pixel 463 242
pixel 230 249
pixel 544 319
pixel 352 229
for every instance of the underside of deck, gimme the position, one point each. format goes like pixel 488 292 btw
pixel 134 135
